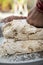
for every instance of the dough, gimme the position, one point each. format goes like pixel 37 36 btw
pixel 2 51
pixel 21 30
pixel 21 37
pixel 22 46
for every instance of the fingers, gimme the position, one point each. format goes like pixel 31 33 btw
pixel 10 18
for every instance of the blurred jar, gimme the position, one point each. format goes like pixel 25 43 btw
pixel 7 5
pixel 20 7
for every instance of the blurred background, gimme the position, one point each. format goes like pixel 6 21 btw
pixel 15 7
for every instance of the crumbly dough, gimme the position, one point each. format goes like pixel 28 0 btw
pixel 2 51
pixel 21 37
pixel 21 30
pixel 22 46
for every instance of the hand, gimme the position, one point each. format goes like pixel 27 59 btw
pixel 35 18
pixel 11 18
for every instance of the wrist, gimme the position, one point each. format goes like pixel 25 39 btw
pixel 39 5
